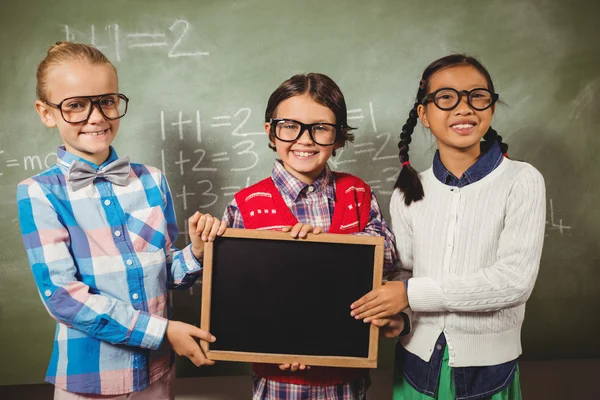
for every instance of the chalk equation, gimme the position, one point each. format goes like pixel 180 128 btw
pixel 174 40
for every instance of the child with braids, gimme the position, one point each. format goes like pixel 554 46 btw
pixel 469 233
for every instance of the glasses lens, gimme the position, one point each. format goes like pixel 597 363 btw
pixel 287 130
pixel 446 99
pixel 76 109
pixel 480 99
pixel 324 134
pixel 113 105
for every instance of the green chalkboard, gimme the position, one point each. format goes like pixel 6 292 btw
pixel 199 74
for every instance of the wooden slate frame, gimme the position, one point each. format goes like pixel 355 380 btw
pixel 317 360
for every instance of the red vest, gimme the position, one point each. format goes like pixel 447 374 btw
pixel 262 207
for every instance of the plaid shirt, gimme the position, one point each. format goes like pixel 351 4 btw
pixel 314 204
pixel 103 260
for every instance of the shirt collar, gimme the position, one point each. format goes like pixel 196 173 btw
pixel 491 157
pixel 65 159
pixel 292 187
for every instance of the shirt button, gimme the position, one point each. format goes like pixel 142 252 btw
pixel 47 292
pixel 438 347
pixel 117 233
pixel 311 188
pixel 135 296
pixel 107 202
pixel 129 262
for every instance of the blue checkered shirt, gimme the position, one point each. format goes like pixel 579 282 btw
pixel 103 260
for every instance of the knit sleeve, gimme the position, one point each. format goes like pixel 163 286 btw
pixel 509 281
pixel 403 235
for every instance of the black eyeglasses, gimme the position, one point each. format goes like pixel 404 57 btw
pixel 289 130
pixel 76 110
pixel 448 98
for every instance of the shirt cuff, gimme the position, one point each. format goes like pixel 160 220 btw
pixel 148 331
pixel 406 329
pixel 425 295
pixel 192 264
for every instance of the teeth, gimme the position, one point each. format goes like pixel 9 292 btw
pixel 94 133
pixel 463 126
pixel 303 153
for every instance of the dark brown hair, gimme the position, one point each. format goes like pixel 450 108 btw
pixel 321 89
pixel 408 180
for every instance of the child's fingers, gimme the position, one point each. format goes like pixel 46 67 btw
pixel 214 230
pixel 222 228
pixel 306 228
pixel 207 227
pixel 199 359
pixel 286 229
pixel 294 367
pixel 193 221
pixel 201 334
pixel 201 224
pixel 377 313
pixel 317 230
pixel 283 367
pixel 372 295
pixel 381 322
pixel 296 229
pixel 369 312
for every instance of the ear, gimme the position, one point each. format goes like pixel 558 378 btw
pixel 268 132
pixel 46 116
pixel 422 112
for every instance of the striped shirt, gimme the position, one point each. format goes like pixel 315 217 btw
pixel 103 260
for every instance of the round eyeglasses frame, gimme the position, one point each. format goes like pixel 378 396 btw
pixel 459 93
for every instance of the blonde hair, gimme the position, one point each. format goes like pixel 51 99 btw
pixel 65 52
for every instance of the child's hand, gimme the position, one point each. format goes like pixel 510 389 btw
pixel 300 230
pixel 390 327
pixel 204 228
pixel 294 367
pixel 181 336
pixel 385 301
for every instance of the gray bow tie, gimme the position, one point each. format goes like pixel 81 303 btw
pixel 82 174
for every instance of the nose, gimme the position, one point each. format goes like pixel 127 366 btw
pixel 304 137
pixel 463 107
pixel 96 116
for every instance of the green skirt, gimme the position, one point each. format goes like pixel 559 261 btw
pixel 446 390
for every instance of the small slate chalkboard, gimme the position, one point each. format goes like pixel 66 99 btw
pixel 270 298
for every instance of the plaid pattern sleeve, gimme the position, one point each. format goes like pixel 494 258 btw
pixel 183 266
pixel 233 216
pixel 98 258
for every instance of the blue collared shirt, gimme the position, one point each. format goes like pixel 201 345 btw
pixel 470 382
pixel 103 259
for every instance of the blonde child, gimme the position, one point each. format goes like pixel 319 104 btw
pixel 99 234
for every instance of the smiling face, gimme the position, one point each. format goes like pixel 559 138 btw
pixel 89 140
pixel 463 127
pixel 303 158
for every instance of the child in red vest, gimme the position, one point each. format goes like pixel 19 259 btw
pixel 306 120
